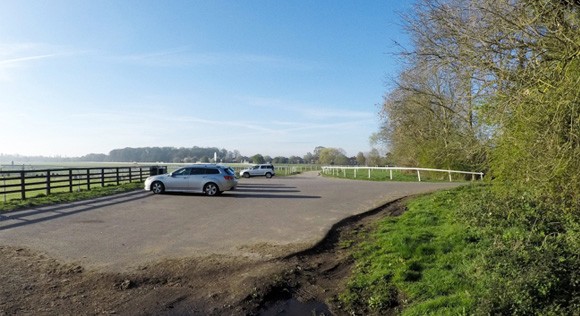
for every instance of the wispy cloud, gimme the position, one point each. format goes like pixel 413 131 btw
pixel 18 55
pixel 184 56
pixel 118 117
pixel 240 126
pixel 149 129
pixel 308 110
pixel 20 60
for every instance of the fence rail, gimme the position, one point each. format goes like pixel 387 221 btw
pixel 335 170
pixel 47 181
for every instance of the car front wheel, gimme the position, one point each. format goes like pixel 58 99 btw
pixel 211 189
pixel 268 175
pixel 246 175
pixel 157 187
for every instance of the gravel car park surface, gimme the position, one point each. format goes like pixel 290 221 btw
pixel 88 256
pixel 131 229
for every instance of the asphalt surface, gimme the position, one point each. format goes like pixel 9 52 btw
pixel 131 229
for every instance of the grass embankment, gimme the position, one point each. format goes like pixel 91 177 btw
pixel 64 197
pixel 465 252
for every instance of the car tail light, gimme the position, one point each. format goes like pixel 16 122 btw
pixel 228 178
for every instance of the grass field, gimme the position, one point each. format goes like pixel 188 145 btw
pixel 396 175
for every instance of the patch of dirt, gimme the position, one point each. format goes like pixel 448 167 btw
pixel 33 283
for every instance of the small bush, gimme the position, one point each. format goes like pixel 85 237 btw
pixel 530 261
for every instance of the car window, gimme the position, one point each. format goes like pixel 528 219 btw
pixel 197 171
pixel 212 171
pixel 181 172
pixel 229 171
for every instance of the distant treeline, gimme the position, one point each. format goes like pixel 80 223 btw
pixel 167 154
pixel 143 154
pixel 155 154
pixel 320 155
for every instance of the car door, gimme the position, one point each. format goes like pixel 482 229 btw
pixel 213 175
pixel 179 180
pixel 255 171
pixel 196 180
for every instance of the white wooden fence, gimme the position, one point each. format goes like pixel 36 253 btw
pixel 336 170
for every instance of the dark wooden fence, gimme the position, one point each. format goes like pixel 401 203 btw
pixel 47 181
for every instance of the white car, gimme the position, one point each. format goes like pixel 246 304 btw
pixel 258 170
pixel 209 179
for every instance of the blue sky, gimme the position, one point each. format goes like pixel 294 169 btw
pixel 269 77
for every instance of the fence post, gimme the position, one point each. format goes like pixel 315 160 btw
pixel 89 179
pixel 117 171
pixel 355 169
pixel 130 176
pixel 48 182
pixel 369 173
pixel 4 184
pixel 391 173
pixel 22 185
pixel 102 177
pixel 70 180
pixel 419 175
pixel 140 174
pixel 450 176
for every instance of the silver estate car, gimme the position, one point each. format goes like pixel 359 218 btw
pixel 210 179
pixel 258 170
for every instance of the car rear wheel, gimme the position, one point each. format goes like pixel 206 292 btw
pixel 246 175
pixel 157 187
pixel 268 175
pixel 211 189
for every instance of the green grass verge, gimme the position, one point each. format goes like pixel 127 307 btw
pixel 467 251
pixel 415 262
pixel 64 197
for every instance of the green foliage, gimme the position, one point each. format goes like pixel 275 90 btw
pixel 540 147
pixel 361 160
pixel 257 158
pixel 496 84
pixel 529 255
pixel 332 156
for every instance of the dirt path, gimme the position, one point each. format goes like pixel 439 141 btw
pixel 33 283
